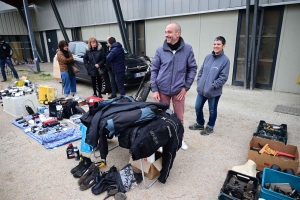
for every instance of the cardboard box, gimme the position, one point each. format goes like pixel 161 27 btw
pixel 151 170
pixel 265 160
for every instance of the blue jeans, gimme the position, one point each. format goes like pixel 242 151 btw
pixel 212 106
pixel 112 82
pixel 69 84
pixel 120 79
pixel 11 66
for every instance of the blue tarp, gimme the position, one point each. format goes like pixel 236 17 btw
pixel 50 139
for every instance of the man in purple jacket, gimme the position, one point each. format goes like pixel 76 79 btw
pixel 173 71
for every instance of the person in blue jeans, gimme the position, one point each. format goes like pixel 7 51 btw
pixel 6 53
pixel 66 61
pixel 212 76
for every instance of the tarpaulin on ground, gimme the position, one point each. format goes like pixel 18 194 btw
pixel 51 139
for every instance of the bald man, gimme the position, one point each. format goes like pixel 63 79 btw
pixel 173 71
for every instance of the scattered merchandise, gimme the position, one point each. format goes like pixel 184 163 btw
pixel 249 168
pixel 272 131
pixel 70 151
pixel 240 186
pixel 279 185
pixel 266 160
pixel 49 133
pixel 266 149
pixel 76 153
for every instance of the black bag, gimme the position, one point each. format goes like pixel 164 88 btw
pixel 52 108
pixel 69 109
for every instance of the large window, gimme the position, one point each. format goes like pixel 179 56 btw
pixel 136 36
pixel 268 45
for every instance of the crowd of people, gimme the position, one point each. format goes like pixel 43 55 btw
pixel 173 71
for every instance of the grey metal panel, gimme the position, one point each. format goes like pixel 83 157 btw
pixel 203 5
pixel 135 9
pixel 12 24
pixel 169 7
pixel 275 1
pixel 162 7
pixel 194 5
pixel 185 6
pixel 6 8
pixel 126 9
pixel 154 8
pixel 142 9
pixel 213 4
pixel 225 3
pixel 235 3
pixel 148 7
pixel 177 6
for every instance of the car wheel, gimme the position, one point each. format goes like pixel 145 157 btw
pixel 106 87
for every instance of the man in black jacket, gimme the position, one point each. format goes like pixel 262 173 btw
pixel 116 57
pixel 5 57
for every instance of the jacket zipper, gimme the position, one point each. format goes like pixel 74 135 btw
pixel 207 76
pixel 172 71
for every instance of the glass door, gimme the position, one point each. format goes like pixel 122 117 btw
pixel 268 47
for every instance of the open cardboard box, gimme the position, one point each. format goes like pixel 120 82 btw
pixel 151 170
pixel 265 160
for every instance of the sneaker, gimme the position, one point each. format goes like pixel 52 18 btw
pixel 206 131
pixel 196 127
pixel 184 146
pixel 112 96
pixel 4 80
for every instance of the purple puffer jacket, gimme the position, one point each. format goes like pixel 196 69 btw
pixel 171 71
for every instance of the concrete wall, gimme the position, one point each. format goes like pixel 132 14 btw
pixel 60 36
pixel 100 32
pixel 199 31
pixel 288 60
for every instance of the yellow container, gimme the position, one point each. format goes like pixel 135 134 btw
pixel 19 83
pixel 46 94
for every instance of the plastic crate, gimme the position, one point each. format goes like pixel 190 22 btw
pixel 276 134
pixel 273 176
pixel 242 178
pixel 46 93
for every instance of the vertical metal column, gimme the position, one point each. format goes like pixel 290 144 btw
pixel 60 23
pixel 253 42
pixel 247 63
pixel 123 30
pixel 262 17
pixel 31 36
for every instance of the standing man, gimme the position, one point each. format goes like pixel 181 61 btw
pixel 211 78
pixel 6 53
pixel 116 57
pixel 173 71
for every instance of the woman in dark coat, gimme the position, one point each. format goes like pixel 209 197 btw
pixel 93 60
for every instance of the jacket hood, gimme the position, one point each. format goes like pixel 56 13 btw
pixel 116 44
pixel 98 47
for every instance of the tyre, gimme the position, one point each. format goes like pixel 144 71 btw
pixel 106 87
pixel 143 95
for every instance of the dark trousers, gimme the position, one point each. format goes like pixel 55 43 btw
pixel 10 65
pixel 96 80
pixel 120 79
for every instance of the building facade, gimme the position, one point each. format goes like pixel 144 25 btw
pixel 201 21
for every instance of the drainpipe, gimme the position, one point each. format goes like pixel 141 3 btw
pixel 31 36
pixel 123 30
pixel 253 40
pixel 60 23
pixel 247 63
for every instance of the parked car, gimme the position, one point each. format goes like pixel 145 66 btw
pixel 136 66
